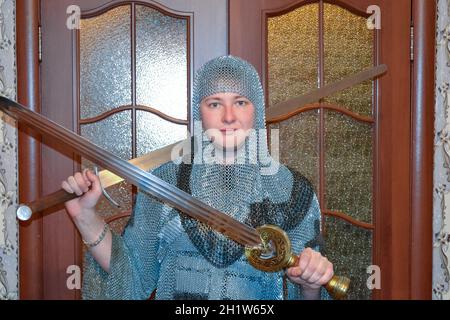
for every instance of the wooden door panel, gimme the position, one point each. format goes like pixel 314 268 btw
pixel 61 246
pixel 391 171
pixel 59 241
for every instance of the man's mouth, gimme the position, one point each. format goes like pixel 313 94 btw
pixel 228 131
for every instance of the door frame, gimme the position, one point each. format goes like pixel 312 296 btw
pixel 31 284
pixel 419 265
pixel 422 142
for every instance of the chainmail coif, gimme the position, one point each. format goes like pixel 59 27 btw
pixel 181 258
pixel 229 188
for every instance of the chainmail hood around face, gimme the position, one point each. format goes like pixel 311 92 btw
pixel 233 188
pixel 229 74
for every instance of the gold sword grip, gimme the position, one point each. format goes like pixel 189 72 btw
pixel 275 254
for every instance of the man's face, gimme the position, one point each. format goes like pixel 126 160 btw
pixel 227 119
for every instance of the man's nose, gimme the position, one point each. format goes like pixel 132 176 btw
pixel 228 115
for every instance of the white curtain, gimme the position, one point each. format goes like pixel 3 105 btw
pixel 441 195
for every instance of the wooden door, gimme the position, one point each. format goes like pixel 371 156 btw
pixel 393 128
pixel 354 146
pixel 120 76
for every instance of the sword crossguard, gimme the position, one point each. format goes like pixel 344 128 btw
pixel 275 254
pixel 105 194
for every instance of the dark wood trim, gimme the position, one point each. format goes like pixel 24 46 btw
pixel 137 107
pixel 76 112
pixel 28 94
pixel 393 210
pixel 376 252
pixel 134 147
pixel 117 3
pixel 291 7
pixel 329 106
pixel 424 21
pixel 322 143
pixel 133 37
pixel 118 216
pixel 349 219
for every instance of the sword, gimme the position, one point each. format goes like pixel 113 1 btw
pixel 276 113
pixel 258 242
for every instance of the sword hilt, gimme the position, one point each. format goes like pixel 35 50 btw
pixel 337 287
pixel 275 254
pixel 25 211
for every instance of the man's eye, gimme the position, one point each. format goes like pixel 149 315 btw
pixel 241 103
pixel 214 105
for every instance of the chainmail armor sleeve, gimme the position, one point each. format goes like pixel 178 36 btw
pixel 134 267
pixel 307 234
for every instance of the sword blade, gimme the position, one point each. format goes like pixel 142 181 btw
pixel 285 110
pixel 145 181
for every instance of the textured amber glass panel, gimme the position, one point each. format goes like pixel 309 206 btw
pixel 154 133
pixel 348 46
pixel 112 134
pixel 349 248
pixel 105 62
pixel 293 53
pixel 348 166
pixel 161 62
pixel 298 138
